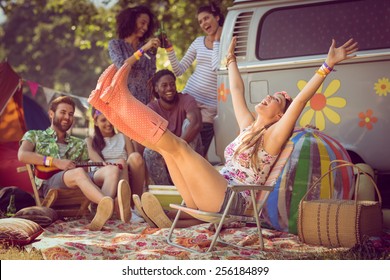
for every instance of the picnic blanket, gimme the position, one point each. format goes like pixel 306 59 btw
pixel 71 240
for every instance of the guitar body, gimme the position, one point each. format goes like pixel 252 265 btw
pixel 45 172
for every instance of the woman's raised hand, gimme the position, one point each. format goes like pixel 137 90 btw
pixel 232 46
pixel 152 43
pixel 346 51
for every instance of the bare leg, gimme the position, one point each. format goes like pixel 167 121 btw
pixel 108 177
pixel 206 187
pixel 78 178
pixel 179 181
pixel 137 173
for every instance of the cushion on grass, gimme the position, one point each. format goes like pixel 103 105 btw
pixel 18 232
pixel 43 216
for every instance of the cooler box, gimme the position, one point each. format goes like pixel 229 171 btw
pixel 166 195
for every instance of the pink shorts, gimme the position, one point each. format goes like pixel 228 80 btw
pixel 130 116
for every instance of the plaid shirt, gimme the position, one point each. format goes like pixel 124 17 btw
pixel 45 142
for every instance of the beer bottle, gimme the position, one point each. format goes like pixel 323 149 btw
pixel 11 208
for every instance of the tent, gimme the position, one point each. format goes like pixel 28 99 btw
pixel 18 113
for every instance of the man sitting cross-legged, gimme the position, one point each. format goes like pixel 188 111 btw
pixel 56 148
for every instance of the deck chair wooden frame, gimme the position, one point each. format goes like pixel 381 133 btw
pixel 66 202
pixel 259 196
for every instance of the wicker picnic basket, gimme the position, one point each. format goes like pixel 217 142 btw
pixel 339 223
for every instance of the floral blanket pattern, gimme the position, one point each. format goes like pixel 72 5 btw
pixel 72 240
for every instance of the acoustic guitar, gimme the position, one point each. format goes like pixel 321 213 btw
pixel 45 172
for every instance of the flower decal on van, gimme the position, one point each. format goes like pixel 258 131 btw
pixel 382 87
pixel 367 119
pixel 222 93
pixel 320 103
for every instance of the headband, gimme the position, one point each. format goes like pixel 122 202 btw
pixel 285 95
pixel 96 114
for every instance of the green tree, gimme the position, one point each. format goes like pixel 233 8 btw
pixel 62 44
pixel 50 42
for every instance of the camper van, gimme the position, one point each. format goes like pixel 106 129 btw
pixel 280 44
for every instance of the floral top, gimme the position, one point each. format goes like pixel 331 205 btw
pixel 237 169
pixel 45 142
pixel 140 72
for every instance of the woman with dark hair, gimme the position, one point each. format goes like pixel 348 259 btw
pixel 108 146
pixel 203 82
pixel 134 26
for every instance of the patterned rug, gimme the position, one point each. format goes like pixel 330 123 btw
pixel 72 240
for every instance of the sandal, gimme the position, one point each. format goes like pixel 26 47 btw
pixel 103 213
pixel 138 207
pixel 154 210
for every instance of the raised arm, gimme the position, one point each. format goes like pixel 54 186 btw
pixel 243 116
pixel 179 67
pixel 152 43
pixel 216 50
pixel 280 132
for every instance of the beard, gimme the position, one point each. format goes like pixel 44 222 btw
pixel 169 101
pixel 59 126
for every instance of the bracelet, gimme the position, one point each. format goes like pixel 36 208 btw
pixel 328 67
pixel 169 49
pixel 229 62
pixel 141 51
pixel 321 73
pixel 44 160
pixel 48 161
pixel 229 59
pixel 324 70
pixel 138 54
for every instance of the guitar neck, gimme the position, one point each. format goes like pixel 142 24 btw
pixel 87 164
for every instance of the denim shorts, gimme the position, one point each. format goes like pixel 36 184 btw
pixel 238 206
pixel 57 182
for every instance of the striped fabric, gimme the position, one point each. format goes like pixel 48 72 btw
pixel 310 158
pixel 17 231
pixel 203 82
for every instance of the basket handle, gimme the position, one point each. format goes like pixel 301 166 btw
pixel 344 163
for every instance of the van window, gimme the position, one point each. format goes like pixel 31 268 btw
pixel 308 29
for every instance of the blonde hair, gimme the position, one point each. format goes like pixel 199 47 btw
pixel 253 139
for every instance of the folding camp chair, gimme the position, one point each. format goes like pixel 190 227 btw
pixel 259 194
pixel 66 202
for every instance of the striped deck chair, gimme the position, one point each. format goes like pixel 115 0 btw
pixel 259 194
